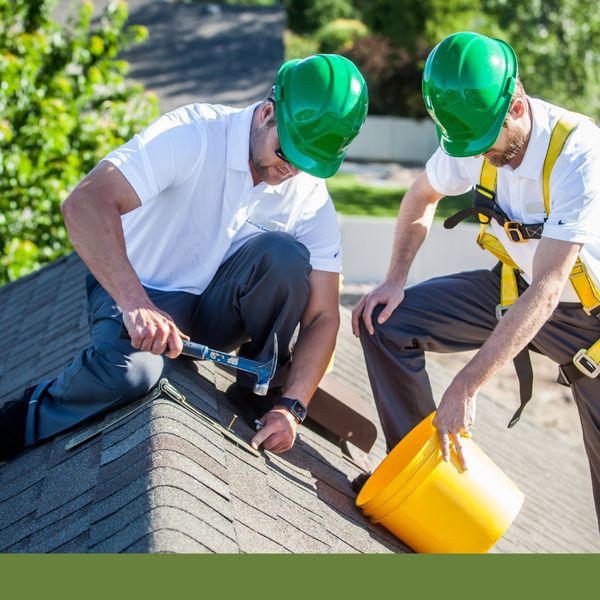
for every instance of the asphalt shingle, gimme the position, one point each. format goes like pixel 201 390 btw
pixel 162 480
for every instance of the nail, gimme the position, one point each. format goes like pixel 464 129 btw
pixel 231 423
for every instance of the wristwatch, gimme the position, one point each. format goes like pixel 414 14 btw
pixel 294 406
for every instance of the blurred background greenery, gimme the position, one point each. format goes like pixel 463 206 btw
pixel 66 100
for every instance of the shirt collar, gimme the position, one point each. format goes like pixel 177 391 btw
pixel 238 140
pixel 533 161
pixel 238 148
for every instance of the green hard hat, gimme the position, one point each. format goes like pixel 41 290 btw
pixel 468 83
pixel 321 103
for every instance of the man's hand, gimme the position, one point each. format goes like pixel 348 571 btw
pixel 388 294
pixel 153 330
pixel 278 431
pixel 455 416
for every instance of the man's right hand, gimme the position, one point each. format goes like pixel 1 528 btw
pixel 388 294
pixel 153 330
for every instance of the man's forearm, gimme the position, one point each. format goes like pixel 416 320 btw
pixel 412 226
pixel 98 239
pixel 96 232
pixel 513 332
pixel 552 264
pixel 312 353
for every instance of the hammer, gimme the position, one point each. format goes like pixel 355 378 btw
pixel 264 371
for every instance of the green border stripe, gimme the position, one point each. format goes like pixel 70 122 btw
pixel 278 576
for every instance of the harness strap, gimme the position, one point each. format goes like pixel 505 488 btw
pixel 517 232
pixel 586 362
pixel 586 290
pixel 524 370
pixel 509 290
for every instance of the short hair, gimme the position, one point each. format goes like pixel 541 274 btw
pixel 519 91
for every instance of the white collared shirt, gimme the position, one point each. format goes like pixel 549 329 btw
pixel 574 190
pixel 191 173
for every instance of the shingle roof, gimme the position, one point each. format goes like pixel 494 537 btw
pixel 162 480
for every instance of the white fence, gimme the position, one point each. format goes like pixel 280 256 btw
pixel 367 246
pixel 394 139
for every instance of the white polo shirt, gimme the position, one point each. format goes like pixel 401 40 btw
pixel 574 190
pixel 199 205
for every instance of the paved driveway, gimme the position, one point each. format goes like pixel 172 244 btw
pixel 203 52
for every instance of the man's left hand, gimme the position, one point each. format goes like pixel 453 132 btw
pixel 278 431
pixel 454 418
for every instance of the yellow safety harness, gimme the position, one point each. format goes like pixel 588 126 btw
pixel 587 360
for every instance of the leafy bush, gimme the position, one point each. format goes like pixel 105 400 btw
pixel 299 46
pixel 558 46
pixel 340 34
pixel 557 42
pixel 306 16
pixel 64 103
pixel 393 76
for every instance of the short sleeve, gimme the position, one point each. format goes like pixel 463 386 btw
pixel 447 175
pixel 318 230
pixel 575 196
pixel 163 155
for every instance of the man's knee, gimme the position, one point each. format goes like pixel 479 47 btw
pixel 133 374
pixel 394 332
pixel 284 257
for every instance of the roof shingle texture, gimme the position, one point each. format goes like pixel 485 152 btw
pixel 162 480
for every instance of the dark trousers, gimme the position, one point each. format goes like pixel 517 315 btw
pixel 261 290
pixel 455 313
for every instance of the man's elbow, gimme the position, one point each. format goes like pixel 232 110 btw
pixel 336 321
pixel 326 321
pixel 548 297
pixel 68 209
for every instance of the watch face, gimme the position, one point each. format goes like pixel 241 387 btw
pixel 299 410
pixel 295 407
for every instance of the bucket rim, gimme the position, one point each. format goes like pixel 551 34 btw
pixel 367 496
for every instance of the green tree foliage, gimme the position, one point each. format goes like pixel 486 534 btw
pixel 64 103
pixel 416 25
pixel 403 33
pixel 306 16
pixel 557 42
pixel 340 34
pixel 558 46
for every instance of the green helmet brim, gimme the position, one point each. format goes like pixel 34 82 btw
pixel 319 168
pixel 320 103
pixel 468 83
pixel 474 147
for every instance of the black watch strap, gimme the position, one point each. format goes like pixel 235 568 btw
pixel 294 406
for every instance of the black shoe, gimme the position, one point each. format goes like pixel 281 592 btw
pixel 13 417
pixel 359 481
pixel 250 405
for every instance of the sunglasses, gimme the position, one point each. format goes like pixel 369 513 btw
pixel 278 151
pixel 281 155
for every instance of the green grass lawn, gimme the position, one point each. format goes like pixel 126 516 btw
pixel 352 197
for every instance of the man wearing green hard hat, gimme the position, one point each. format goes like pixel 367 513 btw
pixel 214 224
pixel 534 169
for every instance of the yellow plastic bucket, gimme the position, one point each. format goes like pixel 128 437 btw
pixel 435 506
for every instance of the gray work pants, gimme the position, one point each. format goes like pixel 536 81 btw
pixel 261 290
pixel 455 313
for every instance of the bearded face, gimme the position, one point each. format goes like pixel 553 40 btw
pixel 510 144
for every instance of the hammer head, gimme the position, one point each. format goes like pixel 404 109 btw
pixel 265 371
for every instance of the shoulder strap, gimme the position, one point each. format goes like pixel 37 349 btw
pixel 558 138
pixel 488 177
